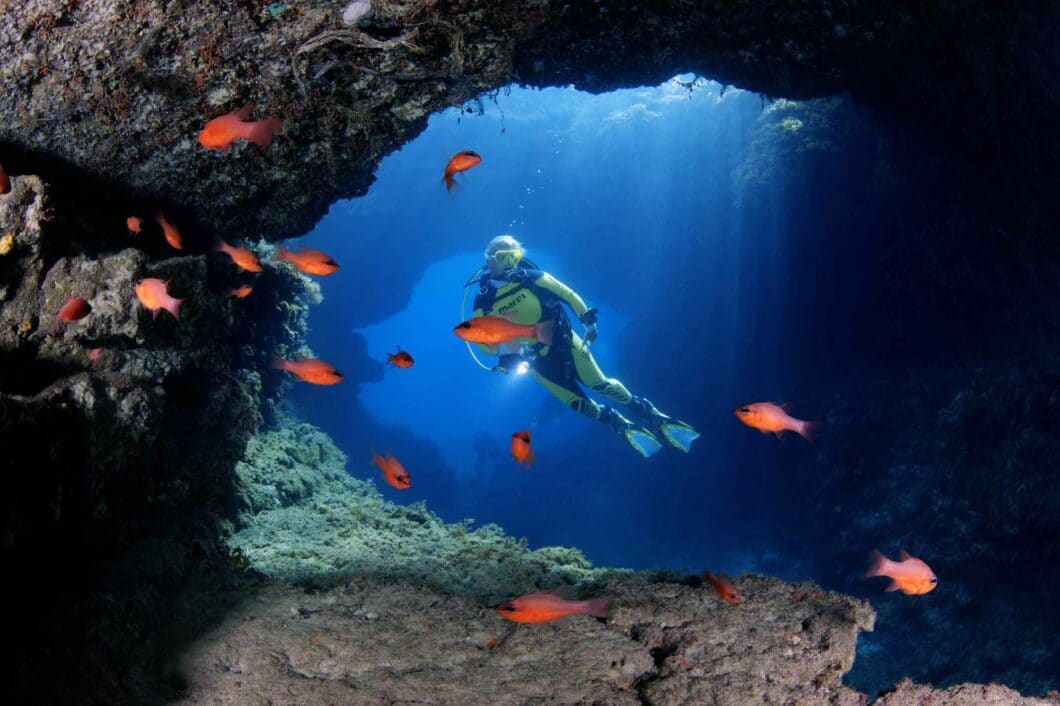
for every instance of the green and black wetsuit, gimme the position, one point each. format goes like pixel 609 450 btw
pixel 528 296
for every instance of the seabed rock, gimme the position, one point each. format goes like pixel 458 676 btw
pixel 395 606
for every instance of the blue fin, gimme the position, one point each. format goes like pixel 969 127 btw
pixel 679 434
pixel 643 441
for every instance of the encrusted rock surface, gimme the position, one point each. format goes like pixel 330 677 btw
pixel 119 471
pixel 306 521
pixel 120 89
pixel 398 609
pixel 665 643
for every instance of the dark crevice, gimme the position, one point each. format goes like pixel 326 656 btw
pixel 22 373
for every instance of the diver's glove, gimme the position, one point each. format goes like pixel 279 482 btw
pixel 588 320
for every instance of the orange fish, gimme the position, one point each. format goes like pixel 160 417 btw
pixel 241 292
pixel 312 262
pixel 401 359
pixel 311 370
pixel 460 162
pixel 220 133
pixel 494 330
pixel 154 295
pixel 93 355
pixel 724 587
pixel 393 472
pixel 909 575
pixel 5 181
pixel 170 231
pixel 134 224
pixel 769 417
pixel 521 448
pixel 542 607
pixel 245 259
pixel 75 308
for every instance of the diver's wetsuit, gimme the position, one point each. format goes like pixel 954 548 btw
pixel 529 296
pixel 536 296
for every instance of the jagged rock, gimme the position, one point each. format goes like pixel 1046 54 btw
pixel 306 521
pixel 906 693
pixel 373 642
pixel 119 90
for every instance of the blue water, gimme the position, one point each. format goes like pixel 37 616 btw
pixel 730 262
pixel 635 200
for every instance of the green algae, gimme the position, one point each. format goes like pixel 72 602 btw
pixel 305 521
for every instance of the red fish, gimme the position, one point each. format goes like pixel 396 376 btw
pixel 769 417
pixel 909 575
pixel 542 607
pixel 393 472
pixel 170 231
pixel 244 258
pixel 74 309
pixel 134 224
pixel 521 449
pixel 153 293
pixel 494 330
pixel 401 359
pixel 312 262
pixel 724 587
pixel 460 162
pixel 311 370
pixel 5 181
pixel 241 292
pixel 221 132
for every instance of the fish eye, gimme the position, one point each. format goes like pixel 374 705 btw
pixel 506 607
pixel 745 410
pixel 464 324
pixel 934 579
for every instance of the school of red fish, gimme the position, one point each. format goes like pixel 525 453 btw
pixel 910 575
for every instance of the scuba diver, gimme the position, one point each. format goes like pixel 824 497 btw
pixel 514 288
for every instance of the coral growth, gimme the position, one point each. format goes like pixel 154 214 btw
pixel 305 520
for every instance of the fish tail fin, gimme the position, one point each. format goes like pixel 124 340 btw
pixel 543 332
pixel 281 253
pixel 219 245
pixel 262 132
pixel 530 458
pixel 809 430
pixel 450 182
pixel 878 565
pixel 173 307
pixel 597 607
pixel 278 363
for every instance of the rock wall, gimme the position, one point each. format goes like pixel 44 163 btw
pixel 119 469
pixel 119 90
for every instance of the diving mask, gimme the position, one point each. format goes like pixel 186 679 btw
pixel 504 259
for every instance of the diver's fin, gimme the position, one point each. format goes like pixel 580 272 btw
pixel 679 434
pixel 643 441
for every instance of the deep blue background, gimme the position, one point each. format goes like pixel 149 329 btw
pixel 739 250
pixel 635 199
